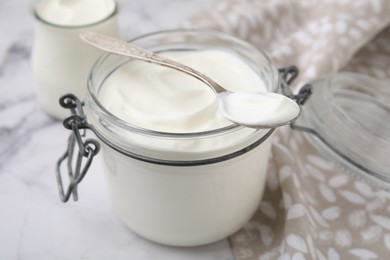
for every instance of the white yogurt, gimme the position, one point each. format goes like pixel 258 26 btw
pixel 162 99
pixel 254 109
pixel 60 60
pixel 74 12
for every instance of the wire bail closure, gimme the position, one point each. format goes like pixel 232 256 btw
pixel 87 149
pixel 288 75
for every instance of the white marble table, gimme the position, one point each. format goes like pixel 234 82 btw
pixel 34 224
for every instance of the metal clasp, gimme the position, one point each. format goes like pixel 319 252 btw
pixel 87 149
pixel 288 75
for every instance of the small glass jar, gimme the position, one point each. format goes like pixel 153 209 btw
pixel 60 60
pixel 174 194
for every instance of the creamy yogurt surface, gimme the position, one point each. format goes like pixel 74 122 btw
pixel 74 12
pixel 162 99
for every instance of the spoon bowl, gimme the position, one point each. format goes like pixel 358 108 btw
pixel 243 108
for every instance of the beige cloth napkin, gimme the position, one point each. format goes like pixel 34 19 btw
pixel 312 209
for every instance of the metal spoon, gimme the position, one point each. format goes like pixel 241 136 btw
pixel 251 109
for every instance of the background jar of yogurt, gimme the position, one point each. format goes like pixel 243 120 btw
pixel 60 60
pixel 188 188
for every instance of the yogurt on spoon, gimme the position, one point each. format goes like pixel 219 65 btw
pixel 249 108
pixel 258 110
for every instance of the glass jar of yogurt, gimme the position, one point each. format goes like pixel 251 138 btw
pixel 177 172
pixel 60 60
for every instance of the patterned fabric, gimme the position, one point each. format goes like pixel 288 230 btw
pixel 312 209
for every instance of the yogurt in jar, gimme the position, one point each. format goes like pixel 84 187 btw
pixel 177 171
pixel 162 99
pixel 60 61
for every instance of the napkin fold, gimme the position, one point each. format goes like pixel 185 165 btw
pixel 312 208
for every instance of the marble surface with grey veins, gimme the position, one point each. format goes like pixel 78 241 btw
pixel 34 224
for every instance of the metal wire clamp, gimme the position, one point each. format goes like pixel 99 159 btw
pixel 288 74
pixel 87 149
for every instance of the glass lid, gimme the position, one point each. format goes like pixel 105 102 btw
pixel 347 117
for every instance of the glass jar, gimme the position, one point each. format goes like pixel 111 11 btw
pixel 182 189
pixel 60 60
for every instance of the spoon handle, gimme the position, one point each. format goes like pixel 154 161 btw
pixel 120 47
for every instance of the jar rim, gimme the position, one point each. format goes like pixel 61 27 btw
pixel 149 132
